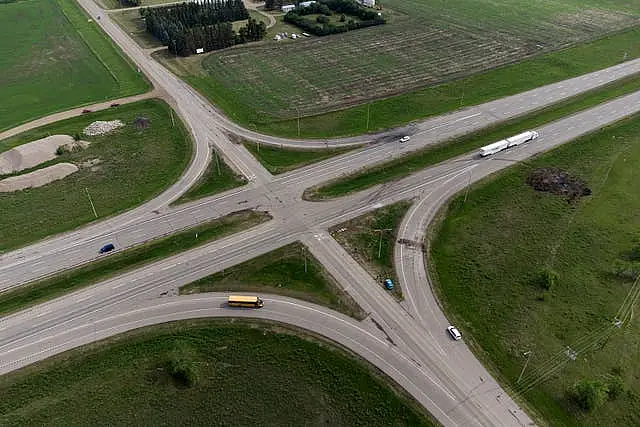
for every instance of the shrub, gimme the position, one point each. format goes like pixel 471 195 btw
pixel 626 269
pixel 589 394
pixel 60 150
pixel 322 19
pixel 182 368
pixel 615 386
pixel 547 278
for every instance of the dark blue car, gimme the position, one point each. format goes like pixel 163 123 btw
pixel 107 248
pixel 388 283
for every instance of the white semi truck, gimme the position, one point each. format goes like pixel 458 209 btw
pixel 508 142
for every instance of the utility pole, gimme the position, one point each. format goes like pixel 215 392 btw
pixel 91 201
pixel 304 254
pixel 217 162
pixel 298 112
pixel 381 230
pixel 368 108
pixel 528 354
pixel 173 123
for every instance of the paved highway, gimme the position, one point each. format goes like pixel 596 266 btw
pixel 407 341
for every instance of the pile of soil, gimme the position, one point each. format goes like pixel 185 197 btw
pixel 557 181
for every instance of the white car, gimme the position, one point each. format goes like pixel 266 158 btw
pixel 404 139
pixel 454 332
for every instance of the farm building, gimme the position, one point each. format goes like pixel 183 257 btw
pixel 288 7
pixel 368 3
pixel 306 3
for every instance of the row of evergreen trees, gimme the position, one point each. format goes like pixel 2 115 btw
pixel 189 26
pixel 129 3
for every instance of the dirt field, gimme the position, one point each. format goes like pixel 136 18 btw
pixel 37 178
pixel 34 153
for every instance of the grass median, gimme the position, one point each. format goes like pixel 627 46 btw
pixel 531 277
pixel 43 290
pixel 290 270
pixel 371 239
pixel 204 373
pixel 280 160
pixel 432 155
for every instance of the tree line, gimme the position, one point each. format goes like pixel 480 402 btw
pixel 186 27
pixel 322 27
pixel 129 3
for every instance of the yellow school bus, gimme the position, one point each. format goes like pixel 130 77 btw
pixel 244 301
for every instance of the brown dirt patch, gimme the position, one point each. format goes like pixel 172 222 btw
pixel 37 178
pixel 559 182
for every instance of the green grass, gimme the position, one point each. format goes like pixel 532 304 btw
pixel 218 177
pixel 374 249
pixel 249 373
pixel 290 270
pixel 71 280
pixel 409 71
pixel 56 60
pixel 487 253
pixel 411 163
pixel 279 160
pixel 135 165
pixel 115 4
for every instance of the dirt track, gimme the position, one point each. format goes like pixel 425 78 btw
pixel 37 178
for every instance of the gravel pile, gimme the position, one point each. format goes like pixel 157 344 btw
pixel 101 127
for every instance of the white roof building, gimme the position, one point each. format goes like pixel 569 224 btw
pixel 288 7
pixel 306 3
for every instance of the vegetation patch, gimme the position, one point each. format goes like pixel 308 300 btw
pixel 546 290
pixel 57 59
pixel 347 15
pixel 371 238
pixel 218 177
pixel 290 270
pixel 135 165
pixel 411 163
pixel 243 372
pixel 280 160
pixel 198 27
pixel 128 259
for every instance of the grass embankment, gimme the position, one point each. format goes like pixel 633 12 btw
pixel 250 105
pixel 115 4
pixel 290 270
pixel 242 374
pixel 57 60
pixel 278 160
pixel 414 162
pixel 47 289
pixel 134 165
pixel 488 255
pixel 371 248
pixel 218 177
pixel 133 24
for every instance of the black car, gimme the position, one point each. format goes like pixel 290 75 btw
pixel 107 248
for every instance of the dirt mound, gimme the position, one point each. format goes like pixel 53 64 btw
pixel 557 181
pixel 101 127
pixel 32 154
pixel 37 178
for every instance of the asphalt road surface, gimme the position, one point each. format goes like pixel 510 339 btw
pixel 407 341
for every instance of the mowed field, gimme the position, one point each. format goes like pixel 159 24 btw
pixel 487 260
pixel 424 43
pixel 53 59
pixel 240 374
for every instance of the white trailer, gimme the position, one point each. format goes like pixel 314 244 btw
pixel 494 148
pixel 522 138
pixel 512 141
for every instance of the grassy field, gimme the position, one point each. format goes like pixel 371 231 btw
pixel 56 60
pixel 115 4
pixel 290 270
pixel 248 373
pixel 374 249
pixel 424 44
pixel 218 177
pixel 277 160
pixel 412 163
pixel 488 256
pixel 133 24
pixel 134 165
pixel 71 280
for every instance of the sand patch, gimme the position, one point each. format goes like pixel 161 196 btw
pixel 33 153
pixel 37 178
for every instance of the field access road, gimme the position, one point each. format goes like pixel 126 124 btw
pixel 460 390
